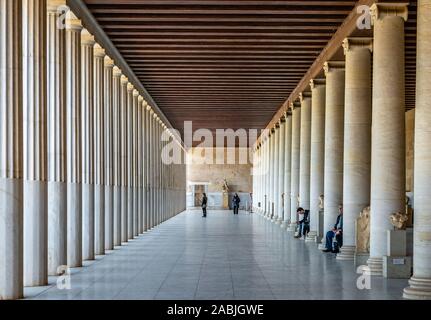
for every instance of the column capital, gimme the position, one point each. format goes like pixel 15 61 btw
pixel 295 105
pixel 149 109
pixel 130 87
pixel 314 83
pixel 144 103
pixel 53 6
pixel 99 52
pixel 109 63
pixel 72 22
pixel 135 93
pixel 124 80
pixel 117 72
pixel 304 95
pixel 387 9
pixel 87 39
pixel 330 66
pixel 140 99
pixel 352 43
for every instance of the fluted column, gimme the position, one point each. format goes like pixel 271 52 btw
pixel 34 23
pixel 124 159
pixel 357 139
pixel 140 166
pixel 57 143
pixel 305 149
pixel 130 167
pixel 420 283
pixel 334 142
pixel 147 167
pixel 73 138
pixel 287 170
pixel 117 150
pixel 135 163
pixel 265 178
pixel 151 172
pixel 87 145
pixel 281 170
pixel 109 123
pixel 388 160
pixel 11 164
pixel 275 173
pixel 271 166
pixel 317 159
pixel 296 144
pixel 99 150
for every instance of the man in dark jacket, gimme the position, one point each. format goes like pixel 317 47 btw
pixel 204 205
pixel 236 201
pixel 303 222
pixel 337 233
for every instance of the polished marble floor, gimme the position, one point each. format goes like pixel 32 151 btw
pixel 222 257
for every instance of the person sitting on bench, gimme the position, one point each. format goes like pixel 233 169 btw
pixel 303 223
pixel 334 238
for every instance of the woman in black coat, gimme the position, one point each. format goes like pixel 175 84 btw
pixel 204 205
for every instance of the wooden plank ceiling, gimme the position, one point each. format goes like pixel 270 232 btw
pixel 222 63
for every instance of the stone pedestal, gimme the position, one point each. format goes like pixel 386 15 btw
pixel 397 267
pixel 225 201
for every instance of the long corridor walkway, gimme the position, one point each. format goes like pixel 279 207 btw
pixel 223 257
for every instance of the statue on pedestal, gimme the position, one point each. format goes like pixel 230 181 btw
pixel 225 186
pixel 399 220
pixel 321 202
pixel 363 231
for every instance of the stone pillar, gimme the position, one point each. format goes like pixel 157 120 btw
pixel 11 164
pixel 305 149
pixel 287 171
pixel 124 160
pixel 317 159
pixel 296 145
pixel 57 143
pixel 140 166
pixel 357 139
pixel 134 162
pixel 271 165
pixel 151 164
pixel 87 143
pixel 100 135
pixel 334 142
pixel 110 153
pixel 420 283
pixel 130 146
pixel 276 165
pixel 147 167
pixel 388 165
pixel 34 69
pixel 117 149
pixel 281 170
pixel 73 138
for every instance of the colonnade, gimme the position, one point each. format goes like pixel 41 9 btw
pixel 81 168
pixel 354 150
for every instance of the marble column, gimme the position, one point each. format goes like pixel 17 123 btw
pixel 117 150
pixel 388 159
pixel 109 125
pixel 57 143
pixel 140 165
pixel 420 283
pixel 317 159
pixel 271 166
pixel 130 177
pixel 134 163
pixel 276 164
pixel 11 161
pixel 100 135
pixel 281 170
pixel 296 145
pixel 34 22
pixel 287 170
pixel 147 167
pixel 357 139
pixel 74 140
pixel 151 164
pixel 265 178
pixel 334 143
pixel 305 149
pixel 87 143
pixel 124 160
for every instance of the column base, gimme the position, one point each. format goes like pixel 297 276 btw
pixel 292 227
pixel 419 289
pixel 375 266
pixel 284 225
pixel 322 245
pixel 347 253
pixel 274 219
pixel 311 236
pixel 279 221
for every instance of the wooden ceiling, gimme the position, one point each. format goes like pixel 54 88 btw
pixel 224 63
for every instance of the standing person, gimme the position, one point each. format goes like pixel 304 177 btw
pixel 204 205
pixel 236 202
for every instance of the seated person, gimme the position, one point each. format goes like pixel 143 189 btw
pixel 303 223
pixel 334 245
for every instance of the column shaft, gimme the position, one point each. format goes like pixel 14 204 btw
pixel 296 144
pixel 287 171
pixel 305 149
pixel 124 160
pixel 281 171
